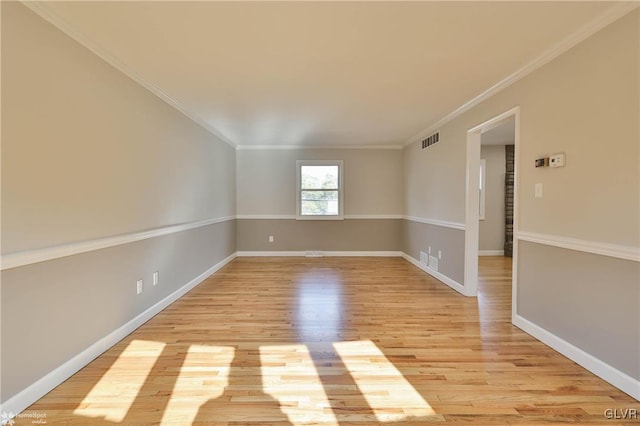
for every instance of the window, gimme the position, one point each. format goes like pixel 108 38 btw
pixel 319 189
pixel 483 181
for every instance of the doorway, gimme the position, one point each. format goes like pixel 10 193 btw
pixel 496 190
pixel 473 198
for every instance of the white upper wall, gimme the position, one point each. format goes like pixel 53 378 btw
pixel 88 153
pixel 266 180
pixel 584 103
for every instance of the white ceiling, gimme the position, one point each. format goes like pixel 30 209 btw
pixel 503 133
pixel 322 73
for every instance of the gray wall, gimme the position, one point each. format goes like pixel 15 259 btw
pixel 492 227
pixel 267 180
pixel 88 153
pixel 267 187
pixel 586 299
pixel 319 235
pixel 53 310
pixel 417 236
pixel 572 104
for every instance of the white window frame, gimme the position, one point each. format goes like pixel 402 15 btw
pixel 340 164
pixel 482 188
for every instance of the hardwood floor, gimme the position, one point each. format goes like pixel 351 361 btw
pixel 333 340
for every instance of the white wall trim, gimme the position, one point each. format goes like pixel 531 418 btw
pixel 490 252
pixel 598 367
pixel 40 8
pixel 293 217
pixel 319 253
pixel 362 253
pixel 271 253
pixel 284 147
pixel 437 222
pixel 42 386
pixel 27 257
pixel 437 275
pixel 590 28
pixel 594 247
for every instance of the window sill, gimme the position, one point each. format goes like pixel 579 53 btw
pixel 341 217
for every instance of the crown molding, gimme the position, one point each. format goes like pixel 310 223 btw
pixel 587 30
pixel 40 9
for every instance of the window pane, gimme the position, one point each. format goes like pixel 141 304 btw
pixel 319 195
pixel 319 203
pixel 319 177
pixel 319 208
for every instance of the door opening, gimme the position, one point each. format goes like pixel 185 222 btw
pixel 506 126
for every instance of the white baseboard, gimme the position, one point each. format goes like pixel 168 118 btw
pixel 319 253
pixel 598 367
pixel 437 275
pixel 490 252
pixel 270 253
pixel 42 386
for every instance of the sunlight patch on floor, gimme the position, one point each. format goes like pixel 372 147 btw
pixel 290 376
pixel 388 393
pixel 117 389
pixel 203 376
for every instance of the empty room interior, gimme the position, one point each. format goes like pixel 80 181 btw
pixel 320 212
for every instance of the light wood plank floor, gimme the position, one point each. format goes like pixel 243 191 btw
pixel 333 340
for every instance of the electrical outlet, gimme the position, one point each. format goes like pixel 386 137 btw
pixel 139 287
pixel 156 278
pixel 270 238
pixel 439 254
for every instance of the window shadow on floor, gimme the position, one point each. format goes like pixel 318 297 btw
pixel 243 399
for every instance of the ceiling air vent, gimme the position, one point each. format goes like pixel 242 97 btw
pixel 434 138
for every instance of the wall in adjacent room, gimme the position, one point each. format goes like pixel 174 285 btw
pixel 492 227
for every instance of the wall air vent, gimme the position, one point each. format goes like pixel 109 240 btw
pixel 433 139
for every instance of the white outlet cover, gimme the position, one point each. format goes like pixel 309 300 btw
pixel 270 238
pixel 138 286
